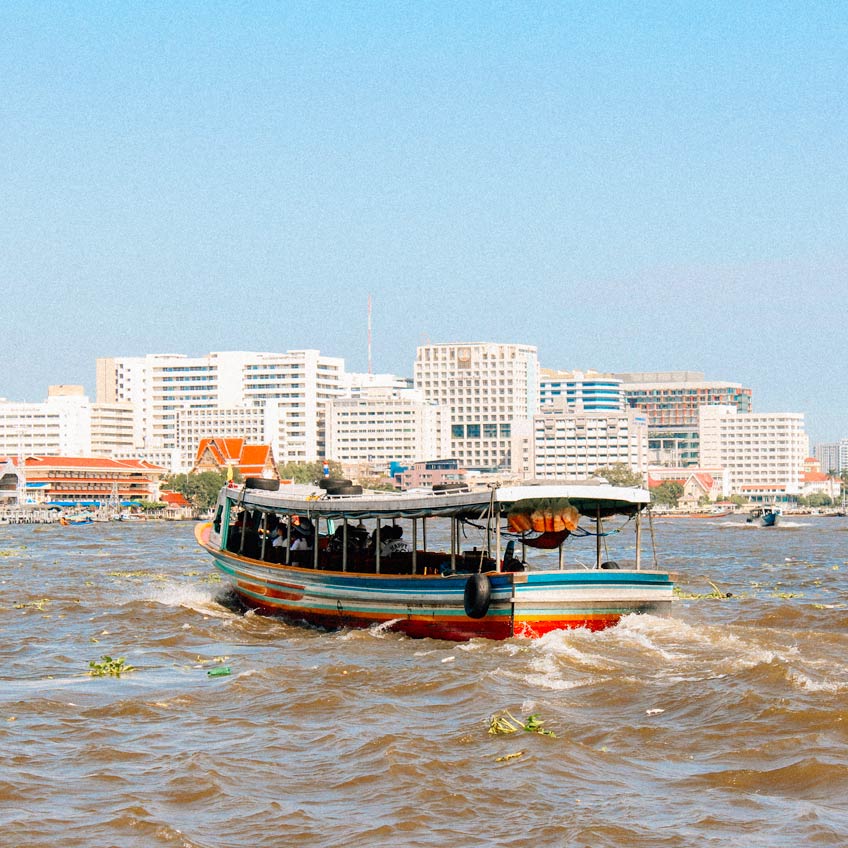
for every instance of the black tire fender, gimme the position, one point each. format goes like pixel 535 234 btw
pixel 262 483
pixel 611 565
pixel 345 490
pixel 478 596
pixel 333 482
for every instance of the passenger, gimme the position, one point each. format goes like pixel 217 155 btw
pixel 393 542
pixel 302 534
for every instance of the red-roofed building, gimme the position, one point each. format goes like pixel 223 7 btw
pixel 249 460
pixel 696 482
pixel 175 499
pixel 93 481
pixel 819 483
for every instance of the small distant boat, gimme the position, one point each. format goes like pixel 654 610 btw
pixel 307 554
pixel 766 516
pixel 74 520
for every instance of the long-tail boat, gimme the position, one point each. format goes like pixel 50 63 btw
pixel 451 564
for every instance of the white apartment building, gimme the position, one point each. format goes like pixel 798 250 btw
pixel 761 452
pixel 581 390
pixel 383 426
pixel 486 388
pixel 291 387
pixel 561 443
pixel 113 430
pixel 299 383
pixel 355 383
pixel 66 424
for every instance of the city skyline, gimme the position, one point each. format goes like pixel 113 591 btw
pixel 628 189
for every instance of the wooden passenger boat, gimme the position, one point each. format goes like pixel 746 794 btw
pixel 488 563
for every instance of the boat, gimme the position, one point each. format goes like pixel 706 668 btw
pixel 765 516
pixel 437 584
pixel 74 520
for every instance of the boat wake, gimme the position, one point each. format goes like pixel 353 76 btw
pixel 670 651
pixel 206 600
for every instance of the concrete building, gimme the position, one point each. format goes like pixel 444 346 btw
pixel 671 400
pixel 763 453
pixel 67 423
pixel 833 458
pixel 561 443
pixel 429 473
pixel 486 388
pixel 382 426
pixel 587 390
pixel 291 387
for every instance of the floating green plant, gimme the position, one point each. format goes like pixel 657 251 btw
pixel 108 667
pixel 507 757
pixel 504 721
pixel 39 604
pixel 715 595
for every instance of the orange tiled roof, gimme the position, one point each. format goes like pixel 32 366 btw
pixel 250 460
pixel 98 463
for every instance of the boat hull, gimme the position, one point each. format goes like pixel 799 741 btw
pixel 521 604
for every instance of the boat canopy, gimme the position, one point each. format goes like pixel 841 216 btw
pixel 589 500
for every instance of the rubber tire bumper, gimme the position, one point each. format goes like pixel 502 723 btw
pixel 262 483
pixel 477 596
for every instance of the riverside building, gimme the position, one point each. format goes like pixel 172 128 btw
pixel 486 388
pixel 671 400
pixel 381 426
pixel 67 423
pixel 291 388
pixel 560 442
pixel 762 453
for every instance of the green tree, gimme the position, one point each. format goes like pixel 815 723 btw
pixel 200 490
pixel 668 493
pixel 620 475
pixel 308 472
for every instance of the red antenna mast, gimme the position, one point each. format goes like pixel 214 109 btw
pixel 369 334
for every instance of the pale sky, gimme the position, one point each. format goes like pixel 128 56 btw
pixel 627 186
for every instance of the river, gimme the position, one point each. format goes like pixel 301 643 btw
pixel 725 724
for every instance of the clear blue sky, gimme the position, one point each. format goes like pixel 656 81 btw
pixel 628 186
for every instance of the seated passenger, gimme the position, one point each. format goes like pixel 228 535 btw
pixel 393 542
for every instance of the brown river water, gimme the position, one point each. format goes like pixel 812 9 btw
pixel 725 724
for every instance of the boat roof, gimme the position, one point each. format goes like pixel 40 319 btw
pixel 590 500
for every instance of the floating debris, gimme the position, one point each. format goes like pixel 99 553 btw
pixel 505 722
pixel 507 757
pixel 715 595
pixel 223 671
pixel 107 667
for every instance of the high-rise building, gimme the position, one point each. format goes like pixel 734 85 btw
pixel 833 458
pixel 579 390
pixel 382 426
pixel 291 388
pixel 66 424
pixel 562 443
pixel 486 388
pixel 671 400
pixel 763 453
